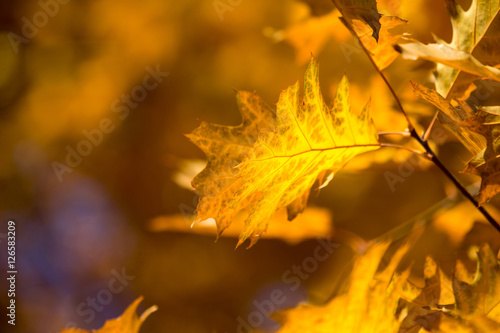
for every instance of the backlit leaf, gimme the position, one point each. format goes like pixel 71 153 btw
pixel 486 163
pixel 373 30
pixel 369 304
pixel 479 132
pixel 449 56
pixel 310 35
pixel 361 10
pixel 453 116
pixel 482 295
pixel 473 44
pixel 309 138
pixel 225 147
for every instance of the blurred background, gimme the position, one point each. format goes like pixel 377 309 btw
pixel 95 100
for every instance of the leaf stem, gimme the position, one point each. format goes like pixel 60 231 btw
pixel 427 132
pixel 413 133
pixel 421 153
pixel 405 134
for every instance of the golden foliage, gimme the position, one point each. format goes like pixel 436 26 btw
pixel 478 132
pixel 481 297
pixel 474 42
pixel 383 300
pixel 226 147
pixel 264 169
pixel 309 140
pixel 453 116
pixel 372 29
pixel 368 305
pixel 486 163
pixel 476 307
pixel 451 57
pixel 381 51
pixel 364 11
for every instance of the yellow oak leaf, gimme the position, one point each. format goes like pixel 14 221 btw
pixel 489 170
pixel 477 301
pixel 425 303
pixel 364 11
pixel 381 50
pixel 472 49
pixel 481 297
pixel 486 164
pixel 469 303
pixel 373 30
pixel 279 170
pixel 368 305
pixel 436 292
pixel 225 147
pixel 479 132
pixel 128 322
pixel 311 34
pixel 451 57
pixel 452 117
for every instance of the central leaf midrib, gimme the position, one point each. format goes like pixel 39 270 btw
pixel 320 150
